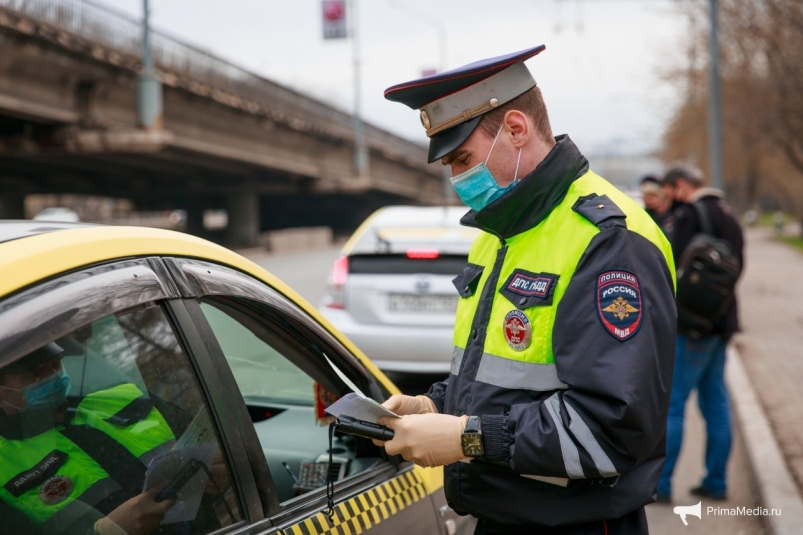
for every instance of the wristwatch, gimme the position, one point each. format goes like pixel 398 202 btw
pixel 471 439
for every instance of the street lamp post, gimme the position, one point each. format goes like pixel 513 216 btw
pixel 149 87
pixel 714 100
pixel 715 104
pixel 360 152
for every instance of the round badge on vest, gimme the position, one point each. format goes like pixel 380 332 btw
pixel 518 330
pixel 55 490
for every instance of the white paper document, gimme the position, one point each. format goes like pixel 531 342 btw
pixel 357 405
pixel 343 377
pixel 164 467
pixel 198 442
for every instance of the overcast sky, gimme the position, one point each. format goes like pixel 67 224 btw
pixel 599 73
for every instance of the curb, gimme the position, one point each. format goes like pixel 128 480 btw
pixel 776 488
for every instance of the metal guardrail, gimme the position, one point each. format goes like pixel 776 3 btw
pixel 117 30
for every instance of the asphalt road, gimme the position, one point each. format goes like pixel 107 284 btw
pixel 688 473
pixel 306 272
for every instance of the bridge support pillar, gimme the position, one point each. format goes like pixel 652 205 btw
pixel 12 205
pixel 243 210
pixel 195 215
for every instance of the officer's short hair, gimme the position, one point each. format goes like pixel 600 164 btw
pixel 687 172
pixel 530 103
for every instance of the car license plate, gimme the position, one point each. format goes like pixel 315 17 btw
pixel 422 303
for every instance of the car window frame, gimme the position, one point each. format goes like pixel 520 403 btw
pixel 299 508
pixel 69 301
pixel 75 299
pixel 198 279
pixel 195 279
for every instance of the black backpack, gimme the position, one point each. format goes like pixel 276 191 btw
pixel 707 275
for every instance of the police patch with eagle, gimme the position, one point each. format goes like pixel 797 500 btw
pixel 619 305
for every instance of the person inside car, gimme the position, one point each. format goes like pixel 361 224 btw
pixel 78 470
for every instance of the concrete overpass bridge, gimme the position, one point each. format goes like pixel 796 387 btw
pixel 230 139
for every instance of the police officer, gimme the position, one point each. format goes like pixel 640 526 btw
pixel 553 417
pixel 78 472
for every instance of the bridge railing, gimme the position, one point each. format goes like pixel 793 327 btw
pixel 112 28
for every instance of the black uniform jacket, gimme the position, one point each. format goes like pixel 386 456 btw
pixel 620 390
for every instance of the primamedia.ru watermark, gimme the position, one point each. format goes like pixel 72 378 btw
pixel 684 511
pixel 741 511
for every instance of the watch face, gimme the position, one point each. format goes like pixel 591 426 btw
pixel 472 445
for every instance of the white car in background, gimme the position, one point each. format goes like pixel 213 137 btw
pixel 391 290
pixel 57 213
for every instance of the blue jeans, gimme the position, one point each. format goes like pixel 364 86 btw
pixel 700 364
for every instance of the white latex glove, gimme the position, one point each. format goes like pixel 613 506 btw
pixel 426 439
pixel 403 405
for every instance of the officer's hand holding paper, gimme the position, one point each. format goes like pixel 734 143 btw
pixel 426 439
pixel 356 404
pixel 403 405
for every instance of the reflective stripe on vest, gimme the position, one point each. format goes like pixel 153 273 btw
pixel 500 371
pixel 554 247
pixel 90 482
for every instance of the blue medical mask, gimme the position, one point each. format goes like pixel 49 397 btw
pixel 477 187
pixel 48 393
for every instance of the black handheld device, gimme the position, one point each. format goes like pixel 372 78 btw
pixel 170 491
pixel 352 426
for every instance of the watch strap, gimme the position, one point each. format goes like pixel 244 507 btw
pixel 472 425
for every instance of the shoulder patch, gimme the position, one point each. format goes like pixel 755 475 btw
pixel 600 210
pixel 619 303
pixel 526 289
pixel 467 281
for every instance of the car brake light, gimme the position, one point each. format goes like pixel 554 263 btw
pixel 340 271
pixel 423 254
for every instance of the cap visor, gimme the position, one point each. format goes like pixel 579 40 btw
pixel 32 359
pixel 445 142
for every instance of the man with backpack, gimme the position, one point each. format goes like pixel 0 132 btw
pixel 707 244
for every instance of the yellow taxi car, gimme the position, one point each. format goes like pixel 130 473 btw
pixel 153 382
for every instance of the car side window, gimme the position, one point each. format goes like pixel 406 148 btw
pixel 106 429
pixel 285 393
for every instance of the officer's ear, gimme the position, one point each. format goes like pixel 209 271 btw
pixel 519 127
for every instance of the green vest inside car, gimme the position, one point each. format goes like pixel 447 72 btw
pixel 47 472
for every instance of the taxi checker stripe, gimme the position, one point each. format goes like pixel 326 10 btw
pixel 365 510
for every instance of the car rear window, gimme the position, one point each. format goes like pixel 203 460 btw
pixel 399 264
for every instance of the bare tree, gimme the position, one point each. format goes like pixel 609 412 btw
pixel 761 44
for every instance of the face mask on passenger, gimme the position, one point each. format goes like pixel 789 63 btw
pixel 477 187
pixel 47 393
